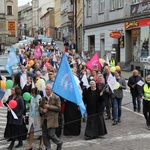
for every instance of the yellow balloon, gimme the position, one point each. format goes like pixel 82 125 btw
pixel 118 85
pixel 112 69
pixel 100 60
pixel 40 84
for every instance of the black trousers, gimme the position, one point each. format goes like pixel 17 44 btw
pixel 146 111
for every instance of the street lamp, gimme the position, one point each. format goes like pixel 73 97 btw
pixel 25 26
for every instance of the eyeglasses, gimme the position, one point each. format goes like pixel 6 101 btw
pixel 47 89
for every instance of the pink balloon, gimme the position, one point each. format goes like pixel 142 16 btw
pixel 47 64
pixel 12 104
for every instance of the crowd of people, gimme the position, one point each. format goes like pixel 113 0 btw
pixel 48 112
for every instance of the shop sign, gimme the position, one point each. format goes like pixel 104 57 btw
pixel 115 34
pixel 140 8
pixel 132 24
pixel 121 42
pixel 12 28
pixel 137 23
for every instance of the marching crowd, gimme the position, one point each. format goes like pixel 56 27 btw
pixel 48 111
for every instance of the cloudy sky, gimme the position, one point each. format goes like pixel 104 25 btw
pixel 23 2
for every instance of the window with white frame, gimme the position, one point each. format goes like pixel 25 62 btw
pixel 101 6
pixel 136 1
pixel 89 7
pixel 115 4
pixel 9 10
pixel 120 3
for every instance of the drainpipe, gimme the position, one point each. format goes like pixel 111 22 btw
pixel 75 3
pixel 83 25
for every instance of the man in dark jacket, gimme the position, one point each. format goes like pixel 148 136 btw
pixel 135 90
pixel 21 77
pixel 108 74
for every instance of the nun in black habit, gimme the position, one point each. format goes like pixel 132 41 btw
pixel 95 126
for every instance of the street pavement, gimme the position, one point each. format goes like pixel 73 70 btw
pixel 130 134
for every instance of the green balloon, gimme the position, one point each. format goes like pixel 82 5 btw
pixel 26 96
pixel 9 84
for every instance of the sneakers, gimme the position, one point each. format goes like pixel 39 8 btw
pixel 114 123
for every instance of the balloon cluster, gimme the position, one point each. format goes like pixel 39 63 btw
pixel 113 69
pixel 6 85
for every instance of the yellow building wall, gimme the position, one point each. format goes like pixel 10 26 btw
pixel 79 13
pixel 57 13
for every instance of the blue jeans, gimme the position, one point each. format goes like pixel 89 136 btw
pixel 136 105
pixel 117 108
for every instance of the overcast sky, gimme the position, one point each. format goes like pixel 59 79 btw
pixel 23 2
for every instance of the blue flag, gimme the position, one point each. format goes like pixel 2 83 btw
pixel 65 85
pixel 2 93
pixel 12 60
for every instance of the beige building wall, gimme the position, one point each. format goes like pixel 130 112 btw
pixel 57 13
pixel 12 20
pixel 79 13
pixel 57 23
pixel 79 36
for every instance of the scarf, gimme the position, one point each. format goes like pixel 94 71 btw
pixel 33 107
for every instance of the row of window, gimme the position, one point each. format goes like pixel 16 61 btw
pixel 114 4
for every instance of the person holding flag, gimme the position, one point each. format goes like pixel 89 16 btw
pixel 72 112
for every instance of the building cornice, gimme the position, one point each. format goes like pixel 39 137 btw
pixel 122 20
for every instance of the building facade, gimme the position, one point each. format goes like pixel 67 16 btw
pixel 79 25
pixel 119 28
pixel 137 30
pixel 3 30
pixel 48 23
pixel 11 9
pixel 24 20
pixel 35 6
pixel 57 15
pixel 28 21
pixel 100 19
pixel 66 24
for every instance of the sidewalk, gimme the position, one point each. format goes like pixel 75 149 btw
pixel 126 74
